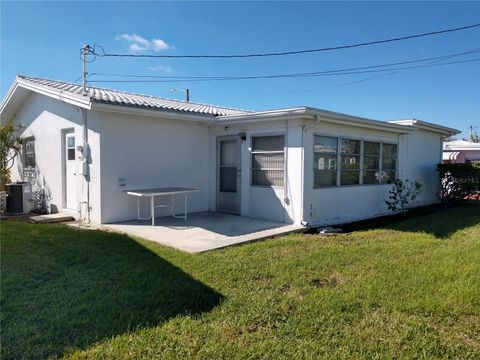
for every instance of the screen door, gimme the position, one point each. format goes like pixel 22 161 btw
pixel 228 175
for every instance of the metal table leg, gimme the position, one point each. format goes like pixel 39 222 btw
pixel 152 210
pixel 185 195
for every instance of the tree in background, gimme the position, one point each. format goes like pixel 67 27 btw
pixel 474 137
pixel 10 146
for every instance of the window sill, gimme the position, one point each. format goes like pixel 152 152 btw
pixel 347 186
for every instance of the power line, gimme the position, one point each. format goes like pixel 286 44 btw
pixel 283 53
pixel 279 76
pixel 312 73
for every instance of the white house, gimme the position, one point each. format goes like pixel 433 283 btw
pixel 461 151
pixel 298 165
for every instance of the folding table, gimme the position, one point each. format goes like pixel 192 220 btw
pixel 167 191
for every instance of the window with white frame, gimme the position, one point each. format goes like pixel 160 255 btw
pixel 268 160
pixel 29 153
pixel 359 162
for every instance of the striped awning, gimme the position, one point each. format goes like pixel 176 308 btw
pixel 450 155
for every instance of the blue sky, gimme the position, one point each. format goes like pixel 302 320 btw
pixel 44 38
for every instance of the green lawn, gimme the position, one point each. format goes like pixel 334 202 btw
pixel 409 290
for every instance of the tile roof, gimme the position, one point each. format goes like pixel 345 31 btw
pixel 115 97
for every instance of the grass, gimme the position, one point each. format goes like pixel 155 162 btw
pixel 408 290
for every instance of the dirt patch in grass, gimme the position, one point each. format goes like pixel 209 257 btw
pixel 331 282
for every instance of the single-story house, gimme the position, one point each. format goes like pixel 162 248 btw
pixel 461 151
pixel 298 165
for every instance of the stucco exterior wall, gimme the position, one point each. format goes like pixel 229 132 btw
pixel 150 152
pixel 133 151
pixel 423 152
pixel 44 119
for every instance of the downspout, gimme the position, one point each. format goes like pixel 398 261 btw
pixel 286 199
pixel 85 165
pixel 304 130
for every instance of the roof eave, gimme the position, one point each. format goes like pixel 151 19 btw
pixel 350 120
pixel 277 114
pixel 77 100
pixel 309 113
pixel 159 113
pixel 423 125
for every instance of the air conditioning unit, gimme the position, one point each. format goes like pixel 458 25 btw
pixel 19 198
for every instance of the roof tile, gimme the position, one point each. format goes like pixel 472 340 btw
pixel 116 97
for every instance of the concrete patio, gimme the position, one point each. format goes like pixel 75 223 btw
pixel 203 231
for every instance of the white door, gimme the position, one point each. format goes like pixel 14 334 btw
pixel 228 175
pixel 70 172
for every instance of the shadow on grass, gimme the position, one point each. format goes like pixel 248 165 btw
pixel 440 220
pixel 64 289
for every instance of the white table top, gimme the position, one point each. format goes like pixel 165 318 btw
pixel 160 191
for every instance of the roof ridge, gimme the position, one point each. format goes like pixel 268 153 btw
pixel 26 77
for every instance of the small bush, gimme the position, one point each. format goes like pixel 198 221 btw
pixel 402 193
pixel 458 181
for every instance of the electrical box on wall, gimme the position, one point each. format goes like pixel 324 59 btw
pixel 83 168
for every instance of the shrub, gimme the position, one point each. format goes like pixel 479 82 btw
pixel 10 146
pixel 402 193
pixel 458 181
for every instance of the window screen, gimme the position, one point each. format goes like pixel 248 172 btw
pixel 389 162
pixel 228 166
pixel 325 161
pixel 350 162
pixel 268 160
pixel 359 161
pixel 371 162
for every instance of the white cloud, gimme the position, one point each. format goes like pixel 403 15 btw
pixel 138 44
pixel 133 38
pixel 136 49
pixel 161 68
pixel 159 45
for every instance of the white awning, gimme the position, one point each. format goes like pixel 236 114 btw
pixel 450 155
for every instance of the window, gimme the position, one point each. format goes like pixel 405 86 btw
pixel 267 160
pixel 70 148
pixel 371 162
pixel 340 162
pixel 389 162
pixel 350 162
pixel 29 152
pixel 325 161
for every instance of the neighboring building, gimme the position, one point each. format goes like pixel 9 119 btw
pixel 296 165
pixel 461 151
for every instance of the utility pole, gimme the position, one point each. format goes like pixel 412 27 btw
pixel 85 50
pixel 186 91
